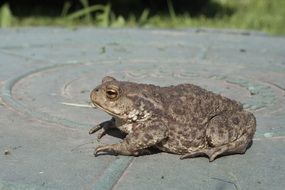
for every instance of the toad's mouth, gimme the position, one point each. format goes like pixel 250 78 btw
pixel 97 105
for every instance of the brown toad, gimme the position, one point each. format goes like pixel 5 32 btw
pixel 183 119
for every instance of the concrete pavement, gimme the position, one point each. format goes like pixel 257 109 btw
pixel 46 74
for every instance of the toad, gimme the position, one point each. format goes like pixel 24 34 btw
pixel 183 119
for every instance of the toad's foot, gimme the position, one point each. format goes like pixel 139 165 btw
pixel 106 148
pixel 211 153
pixel 113 149
pixel 104 127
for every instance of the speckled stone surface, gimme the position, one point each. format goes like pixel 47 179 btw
pixel 46 75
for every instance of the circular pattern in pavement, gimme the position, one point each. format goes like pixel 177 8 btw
pixel 60 93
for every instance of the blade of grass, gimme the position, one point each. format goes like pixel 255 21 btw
pixel 65 9
pixel 171 10
pixel 144 16
pixel 84 11
pixel 119 22
pixel 103 18
pixel 5 16
pixel 88 17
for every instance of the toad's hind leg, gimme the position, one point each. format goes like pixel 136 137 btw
pixel 227 135
pixel 236 147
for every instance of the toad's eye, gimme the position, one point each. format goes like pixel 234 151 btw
pixel 112 94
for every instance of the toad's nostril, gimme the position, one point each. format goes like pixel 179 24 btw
pixel 92 94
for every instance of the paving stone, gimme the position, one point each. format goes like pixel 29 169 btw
pixel 46 75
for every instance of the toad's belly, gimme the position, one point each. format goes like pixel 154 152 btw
pixel 122 126
pixel 180 145
pixel 126 128
pixel 184 138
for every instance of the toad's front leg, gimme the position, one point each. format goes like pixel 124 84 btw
pixel 104 127
pixel 142 137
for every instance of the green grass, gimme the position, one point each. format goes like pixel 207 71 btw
pixel 262 15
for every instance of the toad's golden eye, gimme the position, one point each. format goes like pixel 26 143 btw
pixel 112 93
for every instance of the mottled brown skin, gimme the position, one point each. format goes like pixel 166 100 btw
pixel 183 119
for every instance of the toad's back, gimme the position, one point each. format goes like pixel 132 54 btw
pixel 189 103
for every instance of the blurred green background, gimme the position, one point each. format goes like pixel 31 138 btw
pixel 261 15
